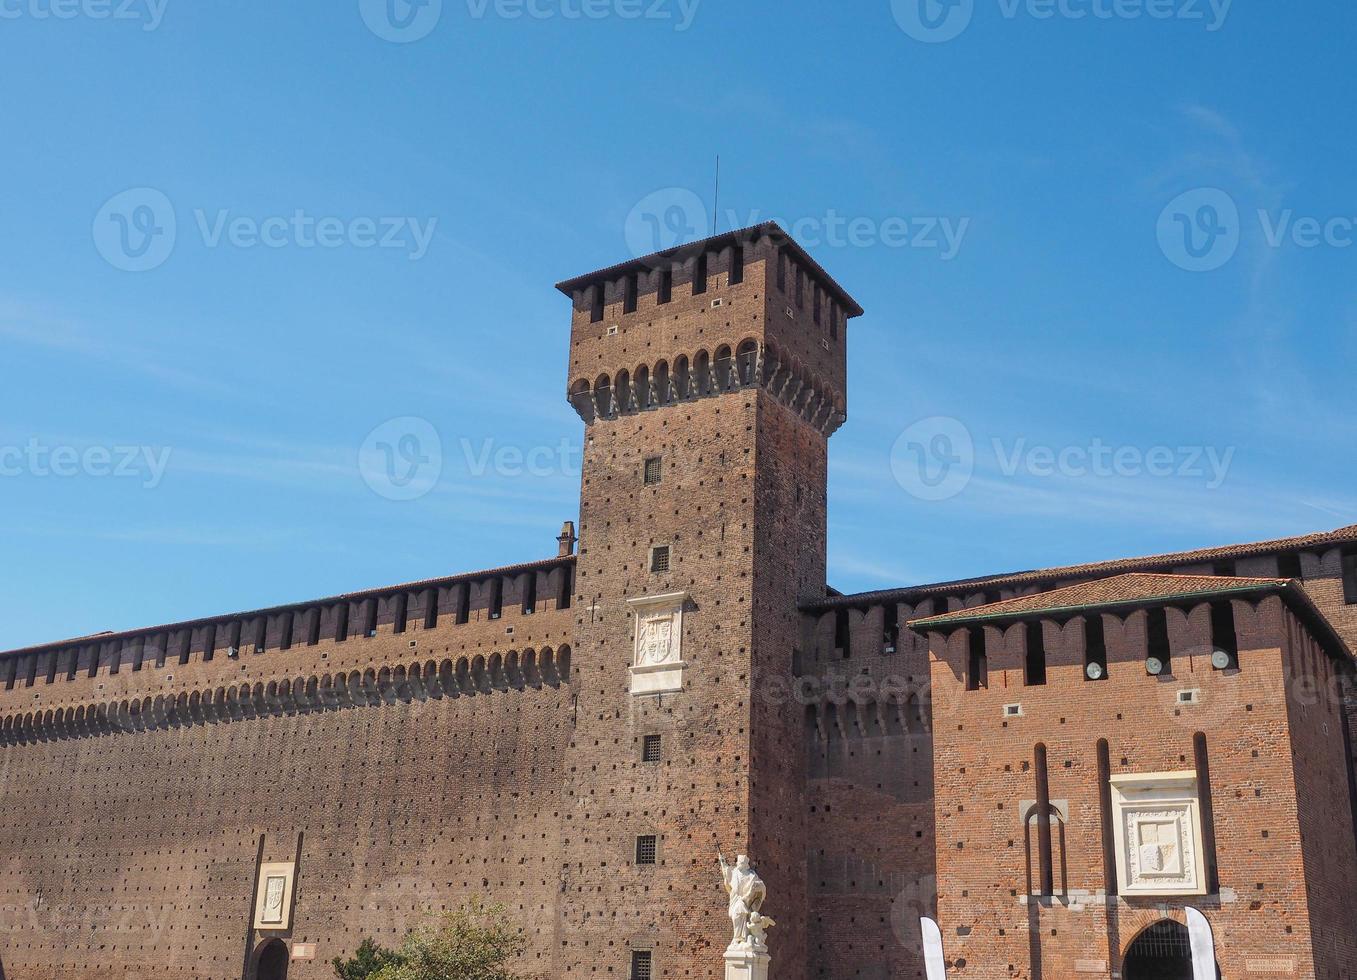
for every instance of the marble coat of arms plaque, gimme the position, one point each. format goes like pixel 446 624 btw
pixel 657 656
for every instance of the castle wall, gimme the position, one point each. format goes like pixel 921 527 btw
pixel 403 772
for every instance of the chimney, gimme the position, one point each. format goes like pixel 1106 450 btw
pixel 567 539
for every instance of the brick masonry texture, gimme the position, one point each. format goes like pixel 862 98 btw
pixel 422 745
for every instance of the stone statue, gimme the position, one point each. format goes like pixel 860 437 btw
pixel 747 892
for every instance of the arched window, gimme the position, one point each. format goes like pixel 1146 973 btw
pixel 643 399
pixel 723 365
pixel 747 361
pixel 682 382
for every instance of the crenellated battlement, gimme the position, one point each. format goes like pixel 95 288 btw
pixel 466 677
pixel 504 594
pixel 744 308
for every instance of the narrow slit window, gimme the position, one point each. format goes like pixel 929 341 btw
pixel 431 609
pixel 629 300
pixel 567 587
pixel 1289 566
pixel 737 265
pixel 1036 655
pixel 370 618
pixel 800 289
pixel 890 639
pixel 599 300
pixel 700 275
pixel 666 289
pixel 977 671
pixel 843 642
pixel 1160 652
pixel 815 301
pixel 1224 640
pixel 342 622
pixel 209 645
pixel 782 270
pixel 496 597
pixel 1350 576
pixel 463 603
pixel 313 634
pixel 1095 649
pixel 833 320
pixel 530 594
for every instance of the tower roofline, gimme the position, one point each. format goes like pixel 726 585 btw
pixel 768 229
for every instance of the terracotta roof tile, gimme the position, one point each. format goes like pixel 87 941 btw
pixel 1151 563
pixel 1130 589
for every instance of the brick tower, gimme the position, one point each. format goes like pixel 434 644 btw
pixel 710 379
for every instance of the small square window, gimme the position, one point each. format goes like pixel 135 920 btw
pixel 659 559
pixel 654 471
pixel 650 748
pixel 646 848
pixel 640 964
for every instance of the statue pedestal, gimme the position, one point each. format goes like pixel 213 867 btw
pixel 745 964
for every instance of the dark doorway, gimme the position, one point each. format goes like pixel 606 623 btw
pixel 1161 952
pixel 272 962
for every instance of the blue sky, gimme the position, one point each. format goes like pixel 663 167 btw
pixel 213 409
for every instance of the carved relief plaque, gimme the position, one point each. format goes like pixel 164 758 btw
pixel 1158 834
pixel 273 907
pixel 657 658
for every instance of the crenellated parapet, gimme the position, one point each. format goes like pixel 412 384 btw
pixel 749 308
pixel 463 600
pixel 465 677
pixel 728 368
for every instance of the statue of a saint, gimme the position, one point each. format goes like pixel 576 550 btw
pixel 747 892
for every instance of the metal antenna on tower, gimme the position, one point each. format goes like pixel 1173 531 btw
pixel 716 198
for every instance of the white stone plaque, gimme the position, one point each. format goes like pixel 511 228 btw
pixel 273 907
pixel 657 658
pixel 1157 824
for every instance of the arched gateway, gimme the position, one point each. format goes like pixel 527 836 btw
pixel 1161 952
pixel 271 961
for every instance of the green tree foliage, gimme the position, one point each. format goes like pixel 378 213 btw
pixel 473 943
pixel 368 960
